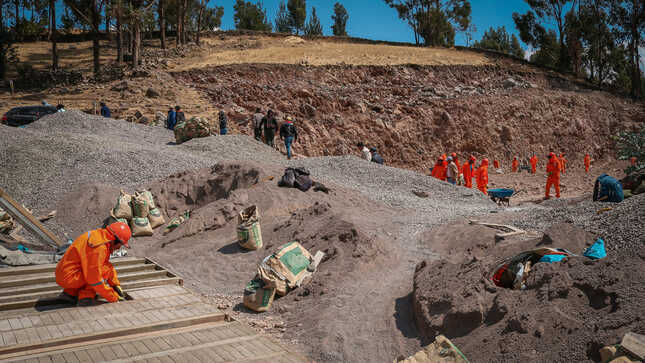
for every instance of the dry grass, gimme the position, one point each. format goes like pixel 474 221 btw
pixel 321 52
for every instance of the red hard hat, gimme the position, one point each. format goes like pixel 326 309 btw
pixel 551 154
pixel 121 232
pixel 472 158
pixel 454 155
pixel 485 162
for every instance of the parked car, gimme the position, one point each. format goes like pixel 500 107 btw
pixel 20 116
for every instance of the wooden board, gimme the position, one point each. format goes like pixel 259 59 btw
pixel 26 219
pixel 635 344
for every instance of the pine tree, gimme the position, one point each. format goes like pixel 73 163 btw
pixel 297 14
pixel 282 20
pixel 313 27
pixel 340 20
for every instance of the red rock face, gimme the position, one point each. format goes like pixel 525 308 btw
pixel 412 114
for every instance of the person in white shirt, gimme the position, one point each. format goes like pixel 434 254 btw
pixel 366 152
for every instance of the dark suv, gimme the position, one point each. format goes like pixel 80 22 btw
pixel 20 116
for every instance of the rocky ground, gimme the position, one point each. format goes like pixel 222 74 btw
pixel 402 264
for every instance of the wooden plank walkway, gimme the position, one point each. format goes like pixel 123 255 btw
pixel 162 323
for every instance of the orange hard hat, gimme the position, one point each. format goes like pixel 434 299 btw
pixel 551 154
pixel 454 155
pixel 443 157
pixel 121 232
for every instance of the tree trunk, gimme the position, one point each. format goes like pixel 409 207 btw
pixel 178 30
pixel 108 19
pixel 162 24
pixel 636 74
pixel 199 21
pixel 52 30
pixel 136 43
pixel 184 7
pixel 3 47
pixel 119 35
pixel 96 45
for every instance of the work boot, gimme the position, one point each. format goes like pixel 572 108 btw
pixel 70 299
pixel 86 302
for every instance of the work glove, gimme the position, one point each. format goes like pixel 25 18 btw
pixel 119 291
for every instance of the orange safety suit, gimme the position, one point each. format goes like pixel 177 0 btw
pixel 563 163
pixel 495 164
pixel 534 161
pixel 482 177
pixel 85 269
pixel 443 172
pixel 457 163
pixel 587 163
pixel 468 174
pixel 436 170
pixel 633 160
pixel 553 176
pixel 515 165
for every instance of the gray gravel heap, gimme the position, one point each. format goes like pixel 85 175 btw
pixel 50 157
pixel 621 227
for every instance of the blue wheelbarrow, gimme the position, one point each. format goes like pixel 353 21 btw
pixel 501 195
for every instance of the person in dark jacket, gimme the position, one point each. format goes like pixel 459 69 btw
pixel 289 134
pixel 172 119
pixel 270 126
pixel 376 157
pixel 105 111
pixel 222 123
pixel 180 117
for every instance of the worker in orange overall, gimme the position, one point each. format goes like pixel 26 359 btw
pixel 553 176
pixel 85 269
pixel 534 161
pixel 438 169
pixel 515 164
pixel 482 176
pixel 633 160
pixel 496 164
pixel 587 163
pixel 467 171
pixel 563 163
pixel 443 171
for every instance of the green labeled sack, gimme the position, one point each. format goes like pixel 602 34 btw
pixel 140 227
pixel 249 233
pixel 148 196
pixel 258 296
pixel 155 217
pixel 122 208
pixel 176 221
pixel 140 206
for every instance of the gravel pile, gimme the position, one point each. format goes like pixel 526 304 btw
pixel 53 156
pixel 49 158
pixel 394 187
pixel 621 227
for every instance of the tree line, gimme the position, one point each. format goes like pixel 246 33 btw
pixel 595 39
pixel 126 21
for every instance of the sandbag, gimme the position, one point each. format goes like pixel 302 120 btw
pixel 148 196
pixel 290 261
pixel 155 217
pixel 140 227
pixel 249 233
pixel 176 221
pixel 441 351
pixel 140 206
pixel 122 209
pixel 272 279
pixel 258 296
pixel 190 129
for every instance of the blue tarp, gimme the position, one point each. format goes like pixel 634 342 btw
pixel 552 258
pixel 597 250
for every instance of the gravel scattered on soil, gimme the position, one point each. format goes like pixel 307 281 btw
pixel 621 227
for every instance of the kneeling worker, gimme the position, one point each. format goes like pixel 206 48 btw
pixel 85 269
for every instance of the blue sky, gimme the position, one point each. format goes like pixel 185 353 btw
pixel 373 19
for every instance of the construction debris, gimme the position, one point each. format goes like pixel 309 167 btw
pixel 508 230
pixel 193 128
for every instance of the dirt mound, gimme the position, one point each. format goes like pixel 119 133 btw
pixel 569 310
pixel 413 113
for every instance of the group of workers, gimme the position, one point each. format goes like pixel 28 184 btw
pixel 447 168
